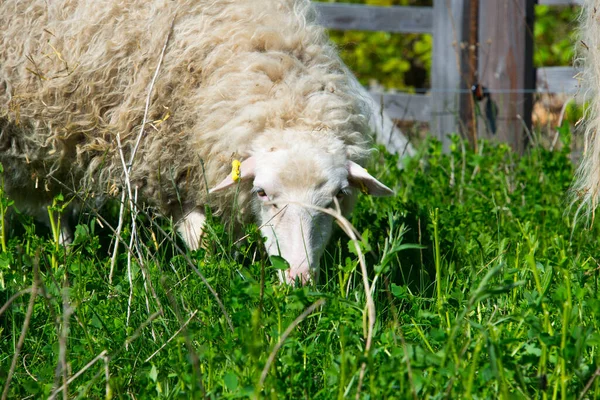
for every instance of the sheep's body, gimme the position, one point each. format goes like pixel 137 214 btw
pixel 238 78
pixel 587 186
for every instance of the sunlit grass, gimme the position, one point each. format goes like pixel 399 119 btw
pixel 513 313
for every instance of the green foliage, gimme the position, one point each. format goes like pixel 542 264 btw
pixel 482 286
pixel 400 61
pixel 555 35
pixel 397 61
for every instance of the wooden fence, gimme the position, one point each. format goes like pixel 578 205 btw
pixel 504 66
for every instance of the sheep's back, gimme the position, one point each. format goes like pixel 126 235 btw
pixel 75 74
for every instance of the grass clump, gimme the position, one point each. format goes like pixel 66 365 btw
pixel 483 289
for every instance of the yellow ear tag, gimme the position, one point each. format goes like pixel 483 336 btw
pixel 363 188
pixel 235 170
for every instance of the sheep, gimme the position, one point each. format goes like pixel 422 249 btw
pixel 586 187
pixel 252 113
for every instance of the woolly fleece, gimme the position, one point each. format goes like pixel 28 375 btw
pixel 238 77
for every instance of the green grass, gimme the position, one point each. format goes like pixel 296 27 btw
pixel 482 287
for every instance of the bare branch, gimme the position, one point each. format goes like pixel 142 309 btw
pixel 283 337
pixel 34 290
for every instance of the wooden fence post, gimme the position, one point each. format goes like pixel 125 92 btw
pixel 506 65
pixel 468 71
pixel 448 19
pixel 504 54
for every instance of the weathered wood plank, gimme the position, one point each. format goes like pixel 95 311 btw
pixel 405 107
pixel 442 109
pixel 557 80
pixel 505 65
pixel 561 2
pixel 449 16
pixel 468 72
pixel 371 18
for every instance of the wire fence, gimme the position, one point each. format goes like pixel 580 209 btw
pixel 478 45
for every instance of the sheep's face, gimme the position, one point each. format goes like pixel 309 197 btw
pixel 291 187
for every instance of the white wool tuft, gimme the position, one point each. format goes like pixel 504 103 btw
pixel 586 189
pixel 250 81
pixel 237 75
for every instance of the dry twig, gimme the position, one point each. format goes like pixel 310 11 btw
pixel 282 339
pixel 172 337
pixel 370 306
pixel 34 290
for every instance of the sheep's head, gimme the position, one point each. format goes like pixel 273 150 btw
pixel 289 185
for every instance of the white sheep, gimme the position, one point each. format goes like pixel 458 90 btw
pixel 586 189
pixel 249 80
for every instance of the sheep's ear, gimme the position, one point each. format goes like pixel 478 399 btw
pixel 361 179
pixel 242 171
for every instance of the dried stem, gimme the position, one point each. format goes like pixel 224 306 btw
pixel 106 358
pixel 87 366
pixel 61 367
pixel 173 337
pixel 589 384
pixel 127 170
pixel 148 97
pixel 13 298
pixel 34 290
pixel 559 123
pixel 178 249
pixel 283 337
pixel 188 260
pixel 370 306
pixel 113 259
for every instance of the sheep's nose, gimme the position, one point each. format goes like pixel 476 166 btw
pixel 303 273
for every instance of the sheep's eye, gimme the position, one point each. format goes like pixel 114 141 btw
pixel 339 196
pixel 342 193
pixel 261 194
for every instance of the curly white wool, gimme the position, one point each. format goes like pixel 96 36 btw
pixel 586 188
pixel 240 79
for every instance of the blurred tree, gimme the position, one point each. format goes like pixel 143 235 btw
pixel 555 34
pixel 393 60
